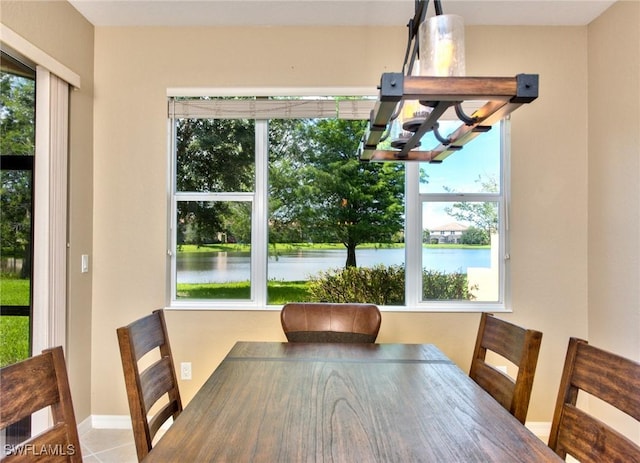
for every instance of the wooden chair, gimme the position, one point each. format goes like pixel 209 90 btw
pixel 145 388
pixel 32 385
pixel 609 377
pixel 518 345
pixel 330 322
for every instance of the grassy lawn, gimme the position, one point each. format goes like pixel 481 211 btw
pixel 280 292
pixel 14 339
pixel 14 291
pixel 14 331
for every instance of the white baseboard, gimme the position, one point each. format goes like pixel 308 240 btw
pixel 110 421
pixel 539 428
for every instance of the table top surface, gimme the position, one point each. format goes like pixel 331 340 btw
pixel 295 402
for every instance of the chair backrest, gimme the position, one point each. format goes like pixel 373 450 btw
pixel 609 377
pixel 518 345
pixel 330 322
pixel 145 388
pixel 35 384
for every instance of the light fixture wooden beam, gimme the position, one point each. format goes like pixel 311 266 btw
pixel 502 96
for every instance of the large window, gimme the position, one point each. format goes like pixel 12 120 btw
pixel 270 204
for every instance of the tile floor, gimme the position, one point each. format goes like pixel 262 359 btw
pixel 108 446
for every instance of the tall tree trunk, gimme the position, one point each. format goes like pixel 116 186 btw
pixel 351 255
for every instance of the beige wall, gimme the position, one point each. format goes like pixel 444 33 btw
pixel 614 179
pixel 560 180
pixel 614 182
pixel 59 30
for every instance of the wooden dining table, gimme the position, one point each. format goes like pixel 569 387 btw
pixel 354 403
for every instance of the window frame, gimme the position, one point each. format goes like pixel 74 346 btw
pixel 259 199
pixel 414 246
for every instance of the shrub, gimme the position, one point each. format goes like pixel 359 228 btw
pixel 383 285
pixel 439 286
pixel 379 285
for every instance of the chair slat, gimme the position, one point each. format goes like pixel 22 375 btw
pixel 146 334
pixel 499 385
pixel 41 446
pixel 505 339
pixel 18 384
pixel 155 381
pixel 590 440
pixel 616 376
pixel 162 416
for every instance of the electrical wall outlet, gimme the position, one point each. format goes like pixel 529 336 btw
pixel 185 370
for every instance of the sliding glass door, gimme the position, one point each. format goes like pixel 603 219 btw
pixel 17 155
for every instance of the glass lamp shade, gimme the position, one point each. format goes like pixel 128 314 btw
pixel 441 42
pixel 413 115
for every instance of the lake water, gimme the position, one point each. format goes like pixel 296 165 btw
pixel 299 265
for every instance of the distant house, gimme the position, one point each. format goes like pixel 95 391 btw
pixel 450 233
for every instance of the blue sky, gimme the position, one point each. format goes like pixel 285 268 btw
pixel 459 171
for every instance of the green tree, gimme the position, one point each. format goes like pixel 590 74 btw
pixel 17 116
pixel 319 188
pixel 17 130
pixel 213 155
pixel 474 235
pixel 426 236
pixel 289 186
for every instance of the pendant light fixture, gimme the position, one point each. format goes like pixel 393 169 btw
pixel 433 80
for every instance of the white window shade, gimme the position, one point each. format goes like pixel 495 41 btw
pixel 270 109
pixel 355 109
pixel 50 237
pixel 303 108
